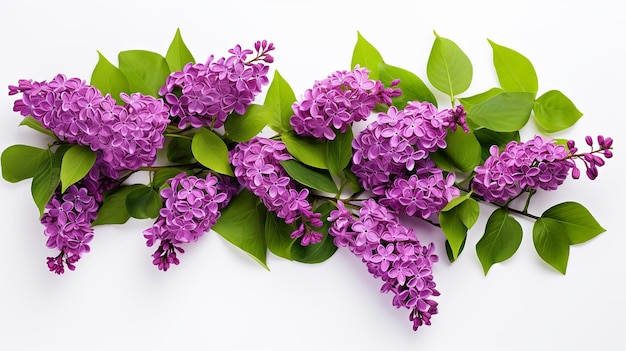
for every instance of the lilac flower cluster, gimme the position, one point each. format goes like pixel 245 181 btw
pixel 391 252
pixel 67 218
pixel 334 103
pixel 391 157
pixel 536 164
pixel 590 159
pixel 191 207
pixel 204 94
pixel 257 167
pixel 126 137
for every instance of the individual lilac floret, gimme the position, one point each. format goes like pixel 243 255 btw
pixel 590 159
pixel 204 94
pixel 539 163
pixel 191 207
pixel 257 167
pixel 334 103
pixel 392 253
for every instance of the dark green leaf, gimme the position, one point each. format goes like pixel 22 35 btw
pixel 554 111
pixel 308 150
pixel 29 121
pixel 143 202
pixel 366 55
pixel 413 88
pixel 449 70
pixel 278 235
pixel 320 252
pixel 312 178
pixel 463 150
pixel 278 103
pixel 552 243
pixel 505 112
pixel 178 55
pixel 146 71
pixel 242 223
pixel 514 70
pixel 243 128
pixel 574 219
pixel 456 218
pixel 210 150
pixel 48 177
pixel 110 79
pixel 163 175
pixel 75 165
pixel 339 151
pixel 113 209
pixel 502 238
pixel 21 162
pixel 179 150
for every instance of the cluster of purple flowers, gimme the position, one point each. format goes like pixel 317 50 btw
pixel 334 103
pixel 204 94
pixel 391 252
pixel 191 207
pixel 391 157
pixel 257 167
pixel 125 137
pixel 539 163
pixel 590 159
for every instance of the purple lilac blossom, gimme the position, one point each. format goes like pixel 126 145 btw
pixel 191 207
pixel 590 159
pixel 204 94
pixel 392 253
pixel 257 167
pixel 536 164
pixel 334 103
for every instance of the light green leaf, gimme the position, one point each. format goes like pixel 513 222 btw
pixel 554 111
pixel 366 55
pixel 48 177
pixel 552 243
pixel 514 70
pixel 505 112
pixel 75 165
pixel 278 235
pixel 463 150
pixel 243 128
pixel 310 151
pixel 30 122
pixel 470 101
pixel 21 162
pixel 574 219
pixel 143 202
pixel 339 151
pixel 312 178
pixel 449 70
pixel 456 219
pixel 109 79
pixel 502 238
pixel 113 209
pixel 278 103
pixel 146 71
pixel 210 150
pixel 242 223
pixel 178 55
pixel 413 88
pixel 320 252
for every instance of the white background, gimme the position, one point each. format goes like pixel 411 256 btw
pixel 218 298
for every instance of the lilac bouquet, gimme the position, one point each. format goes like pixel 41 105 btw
pixel 293 176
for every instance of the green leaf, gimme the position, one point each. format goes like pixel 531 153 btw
pixel 113 209
pixel 320 252
pixel 502 238
pixel 243 128
pixel 179 150
pixel 552 243
pixel 339 151
pixel 366 55
pixel 463 150
pixel 456 219
pixel 178 55
pixel 75 165
pixel 110 79
pixel 210 150
pixel 29 121
pixel 146 71
pixel 448 69
pixel 514 70
pixel 470 101
pixel 242 223
pixel 574 219
pixel 48 177
pixel 312 178
pixel 21 162
pixel 487 138
pixel 505 112
pixel 451 256
pixel 143 202
pixel 278 103
pixel 310 151
pixel 554 111
pixel 413 88
pixel 278 235
pixel 163 175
